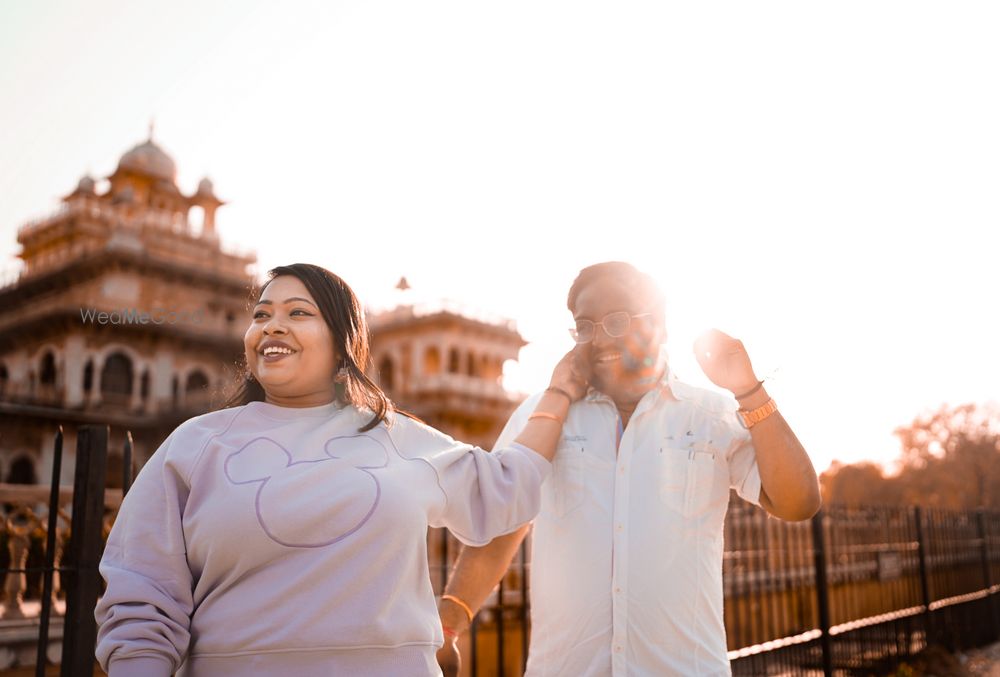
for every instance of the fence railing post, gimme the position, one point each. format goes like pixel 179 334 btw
pixel 984 552
pixel 925 589
pixel 822 592
pixel 83 578
pixel 500 629
pixel 50 557
pixel 127 464
pixel 525 635
pixel 474 644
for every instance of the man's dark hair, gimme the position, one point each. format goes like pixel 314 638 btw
pixel 625 274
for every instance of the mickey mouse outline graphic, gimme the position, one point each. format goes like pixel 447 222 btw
pixel 265 461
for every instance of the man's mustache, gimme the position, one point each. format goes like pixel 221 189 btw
pixel 637 355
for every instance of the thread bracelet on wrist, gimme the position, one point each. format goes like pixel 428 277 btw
pixel 559 391
pixel 750 392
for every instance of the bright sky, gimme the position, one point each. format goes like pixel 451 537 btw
pixel 818 179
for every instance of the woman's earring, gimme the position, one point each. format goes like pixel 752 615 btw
pixel 339 389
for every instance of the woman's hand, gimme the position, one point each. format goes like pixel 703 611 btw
pixel 572 374
pixel 449 657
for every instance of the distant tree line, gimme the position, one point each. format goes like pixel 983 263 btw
pixel 949 459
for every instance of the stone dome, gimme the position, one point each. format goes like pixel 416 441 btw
pixel 86 185
pixel 205 187
pixel 149 159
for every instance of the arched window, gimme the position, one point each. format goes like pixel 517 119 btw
pixel 488 367
pixel 453 361
pixel 385 373
pixel 197 383
pixel 471 367
pixel 116 377
pixel 196 218
pixel 22 471
pixel 88 376
pixel 432 361
pixel 196 392
pixel 3 380
pixel 47 373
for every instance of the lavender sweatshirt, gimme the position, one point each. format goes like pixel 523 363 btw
pixel 264 540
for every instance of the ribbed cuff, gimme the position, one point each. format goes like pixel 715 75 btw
pixel 542 465
pixel 141 666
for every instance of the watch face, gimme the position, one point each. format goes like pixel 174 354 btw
pixel 740 414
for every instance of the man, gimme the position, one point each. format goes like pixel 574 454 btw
pixel 626 573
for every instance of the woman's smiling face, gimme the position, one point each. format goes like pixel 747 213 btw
pixel 289 346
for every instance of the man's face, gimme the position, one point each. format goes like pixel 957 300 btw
pixel 620 366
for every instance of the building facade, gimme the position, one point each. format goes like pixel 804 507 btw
pixel 124 313
pixel 129 311
pixel 445 366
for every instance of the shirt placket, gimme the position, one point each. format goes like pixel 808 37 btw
pixel 620 554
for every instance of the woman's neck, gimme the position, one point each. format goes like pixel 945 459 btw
pixel 300 401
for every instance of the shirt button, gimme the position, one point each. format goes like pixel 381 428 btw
pixel 620 527
pixel 618 590
pixel 618 649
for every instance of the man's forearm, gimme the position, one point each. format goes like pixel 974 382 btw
pixel 789 486
pixel 477 571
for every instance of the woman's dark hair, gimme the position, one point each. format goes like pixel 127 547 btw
pixel 345 317
pixel 624 273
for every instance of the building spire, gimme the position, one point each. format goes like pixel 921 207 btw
pixel 152 124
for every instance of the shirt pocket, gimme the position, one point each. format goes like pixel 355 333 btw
pixel 568 480
pixel 686 478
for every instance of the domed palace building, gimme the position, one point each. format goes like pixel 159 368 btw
pixel 129 311
pixel 124 312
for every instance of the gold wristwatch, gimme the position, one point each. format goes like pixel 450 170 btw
pixel 750 418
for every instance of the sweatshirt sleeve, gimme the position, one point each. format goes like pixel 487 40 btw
pixel 486 494
pixel 144 615
pixel 516 422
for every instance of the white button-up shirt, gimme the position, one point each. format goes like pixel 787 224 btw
pixel 626 571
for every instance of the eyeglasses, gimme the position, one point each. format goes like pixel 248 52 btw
pixel 615 325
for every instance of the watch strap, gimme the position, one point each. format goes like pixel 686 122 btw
pixel 752 417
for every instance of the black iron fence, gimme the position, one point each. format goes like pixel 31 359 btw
pixel 885 583
pixel 852 592
pixel 54 538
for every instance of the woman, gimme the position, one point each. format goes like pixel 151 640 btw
pixel 288 535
